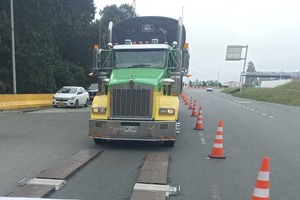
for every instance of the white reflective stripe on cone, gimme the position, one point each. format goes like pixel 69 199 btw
pixel 263 176
pixel 261 193
pixel 218 145
pixel 220 128
pixel 219 137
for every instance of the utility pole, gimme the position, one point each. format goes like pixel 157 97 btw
pixel 13 46
pixel 218 77
pixel 243 73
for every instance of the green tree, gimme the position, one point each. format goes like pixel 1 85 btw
pixel 249 80
pixel 54 42
pixel 114 14
pixel 5 49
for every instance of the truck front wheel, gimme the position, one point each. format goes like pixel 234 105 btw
pixel 99 141
pixel 169 143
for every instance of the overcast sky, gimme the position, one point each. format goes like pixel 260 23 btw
pixel 270 28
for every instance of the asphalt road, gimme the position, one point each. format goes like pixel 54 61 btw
pixel 32 142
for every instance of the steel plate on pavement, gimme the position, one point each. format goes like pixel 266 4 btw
pixel 37 191
pixel 68 167
pixel 155 168
pixel 148 195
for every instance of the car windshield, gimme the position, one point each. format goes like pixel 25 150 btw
pixel 94 86
pixel 68 90
pixel 140 58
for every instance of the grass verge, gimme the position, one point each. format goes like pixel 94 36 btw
pixel 288 94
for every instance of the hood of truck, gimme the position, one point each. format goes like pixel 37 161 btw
pixel 139 75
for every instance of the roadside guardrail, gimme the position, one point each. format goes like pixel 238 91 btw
pixel 23 101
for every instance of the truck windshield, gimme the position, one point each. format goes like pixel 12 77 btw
pixel 140 58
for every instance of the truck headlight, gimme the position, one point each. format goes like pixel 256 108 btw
pixel 72 98
pixel 167 111
pixel 99 110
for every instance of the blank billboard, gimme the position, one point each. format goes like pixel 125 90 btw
pixel 234 52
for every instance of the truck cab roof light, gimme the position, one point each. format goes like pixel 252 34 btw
pixel 109 45
pixel 128 41
pixel 154 41
pixel 167 80
pixel 96 46
pixel 174 44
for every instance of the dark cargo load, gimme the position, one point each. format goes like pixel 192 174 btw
pixel 147 28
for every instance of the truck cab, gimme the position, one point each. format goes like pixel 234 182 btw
pixel 139 87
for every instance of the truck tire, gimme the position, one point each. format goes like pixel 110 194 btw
pixel 99 141
pixel 169 143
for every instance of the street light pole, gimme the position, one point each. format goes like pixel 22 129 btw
pixel 13 46
pixel 243 73
pixel 218 77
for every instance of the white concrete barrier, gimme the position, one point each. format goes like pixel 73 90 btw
pixel 275 83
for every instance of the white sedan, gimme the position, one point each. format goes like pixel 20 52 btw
pixel 209 89
pixel 71 96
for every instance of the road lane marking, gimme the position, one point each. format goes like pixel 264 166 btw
pixel 241 101
pixel 215 193
pixel 242 106
pixel 206 101
pixel 202 138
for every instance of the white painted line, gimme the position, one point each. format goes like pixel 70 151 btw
pixel 252 110
pixel 257 111
pixel 202 139
pixel 152 187
pixel 216 193
pixel 41 181
pixel 242 101
pixel 247 108
pixel 263 114
pixel 271 117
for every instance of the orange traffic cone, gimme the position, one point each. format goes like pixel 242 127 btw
pixel 262 185
pixel 217 150
pixel 199 124
pixel 186 100
pixel 191 104
pixel 194 113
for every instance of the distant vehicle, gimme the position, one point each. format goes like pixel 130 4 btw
pixel 93 90
pixel 209 89
pixel 71 96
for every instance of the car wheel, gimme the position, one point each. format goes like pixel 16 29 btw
pixel 86 103
pixel 169 143
pixel 76 104
pixel 99 141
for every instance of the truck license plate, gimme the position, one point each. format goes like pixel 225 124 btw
pixel 130 129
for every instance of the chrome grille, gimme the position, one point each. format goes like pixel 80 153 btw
pixel 131 102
